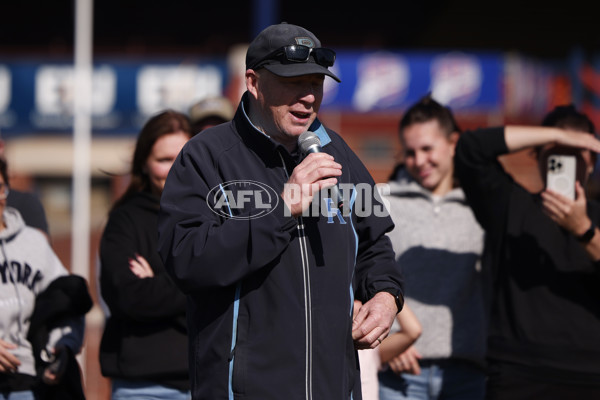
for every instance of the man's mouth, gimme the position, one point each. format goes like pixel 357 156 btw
pixel 300 115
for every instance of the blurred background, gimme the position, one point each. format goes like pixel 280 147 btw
pixel 498 63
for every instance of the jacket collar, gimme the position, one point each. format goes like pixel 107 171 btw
pixel 403 185
pixel 14 224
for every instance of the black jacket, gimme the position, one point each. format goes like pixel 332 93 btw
pixel 145 336
pixel 546 307
pixel 270 296
pixel 65 297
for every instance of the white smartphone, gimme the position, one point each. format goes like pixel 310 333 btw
pixel 561 174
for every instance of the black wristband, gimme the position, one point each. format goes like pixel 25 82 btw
pixel 587 235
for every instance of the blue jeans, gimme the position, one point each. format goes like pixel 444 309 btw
pixel 437 381
pixel 127 390
pixel 24 395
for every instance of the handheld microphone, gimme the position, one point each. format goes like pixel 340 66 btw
pixel 309 142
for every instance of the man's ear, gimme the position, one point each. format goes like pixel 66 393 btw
pixel 252 82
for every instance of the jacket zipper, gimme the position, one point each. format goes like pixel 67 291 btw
pixel 307 301
pixel 307 309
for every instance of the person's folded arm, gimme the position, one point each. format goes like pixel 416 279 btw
pixel 126 294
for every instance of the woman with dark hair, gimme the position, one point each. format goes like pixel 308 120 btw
pixel 543 250
pixel 438 245
pixel 144 345
pixel 39 335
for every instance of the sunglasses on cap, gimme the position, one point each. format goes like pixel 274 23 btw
pixel 300 54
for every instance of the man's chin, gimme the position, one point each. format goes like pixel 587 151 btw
pixel 297 131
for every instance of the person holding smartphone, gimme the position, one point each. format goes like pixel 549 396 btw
pixel 543 250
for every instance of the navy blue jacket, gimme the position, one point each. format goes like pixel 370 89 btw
pixel 270 297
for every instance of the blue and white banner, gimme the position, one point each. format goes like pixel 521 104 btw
pixel 380 81
pixel 36 96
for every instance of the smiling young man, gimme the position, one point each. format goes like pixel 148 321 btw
pixel 271 286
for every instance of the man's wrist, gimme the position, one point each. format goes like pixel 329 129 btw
pixel 398 298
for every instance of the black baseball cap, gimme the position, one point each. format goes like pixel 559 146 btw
pixel 271 39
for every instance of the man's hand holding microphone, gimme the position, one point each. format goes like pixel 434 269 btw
pixel 317 171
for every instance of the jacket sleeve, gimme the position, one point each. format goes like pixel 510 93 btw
pixel 59 314
pixel 376 268
pixel 202 249
pixel 127 295
pixel 485 183
pixel 68 332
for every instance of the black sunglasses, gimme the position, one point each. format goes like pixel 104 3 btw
pixel 300 54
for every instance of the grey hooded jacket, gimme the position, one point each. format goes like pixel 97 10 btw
pixel 438 245
pixel 27 266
